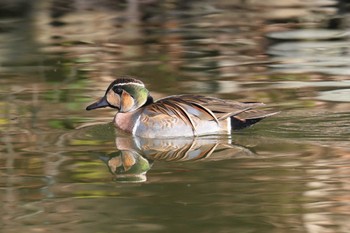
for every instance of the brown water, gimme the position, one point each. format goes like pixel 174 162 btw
pixel 65 169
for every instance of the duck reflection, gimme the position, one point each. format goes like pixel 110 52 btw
pixel 135 156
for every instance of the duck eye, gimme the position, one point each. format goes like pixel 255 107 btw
pixel 118 90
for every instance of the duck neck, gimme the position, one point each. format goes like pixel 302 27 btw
pixel 126 120
pixel 149 100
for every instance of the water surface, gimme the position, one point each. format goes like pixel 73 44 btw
pixel 65 169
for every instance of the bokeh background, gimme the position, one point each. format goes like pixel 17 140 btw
pixel 291 173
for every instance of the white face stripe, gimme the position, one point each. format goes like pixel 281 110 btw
pixel 129 83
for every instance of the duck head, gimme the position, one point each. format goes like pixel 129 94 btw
pixel 125 94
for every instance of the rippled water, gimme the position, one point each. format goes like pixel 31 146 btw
pixel 65 169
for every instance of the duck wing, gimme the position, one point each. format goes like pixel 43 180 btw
pixel 241 114
pixel 183 108
pixel 209 109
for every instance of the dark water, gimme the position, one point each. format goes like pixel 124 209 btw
pixel 65 169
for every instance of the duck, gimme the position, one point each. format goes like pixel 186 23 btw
pixel 185 115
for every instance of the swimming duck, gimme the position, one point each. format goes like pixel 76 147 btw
pixel 174 116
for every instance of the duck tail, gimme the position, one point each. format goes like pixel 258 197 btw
pixel 238 122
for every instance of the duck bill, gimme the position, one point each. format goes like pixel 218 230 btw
pixel 102 103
